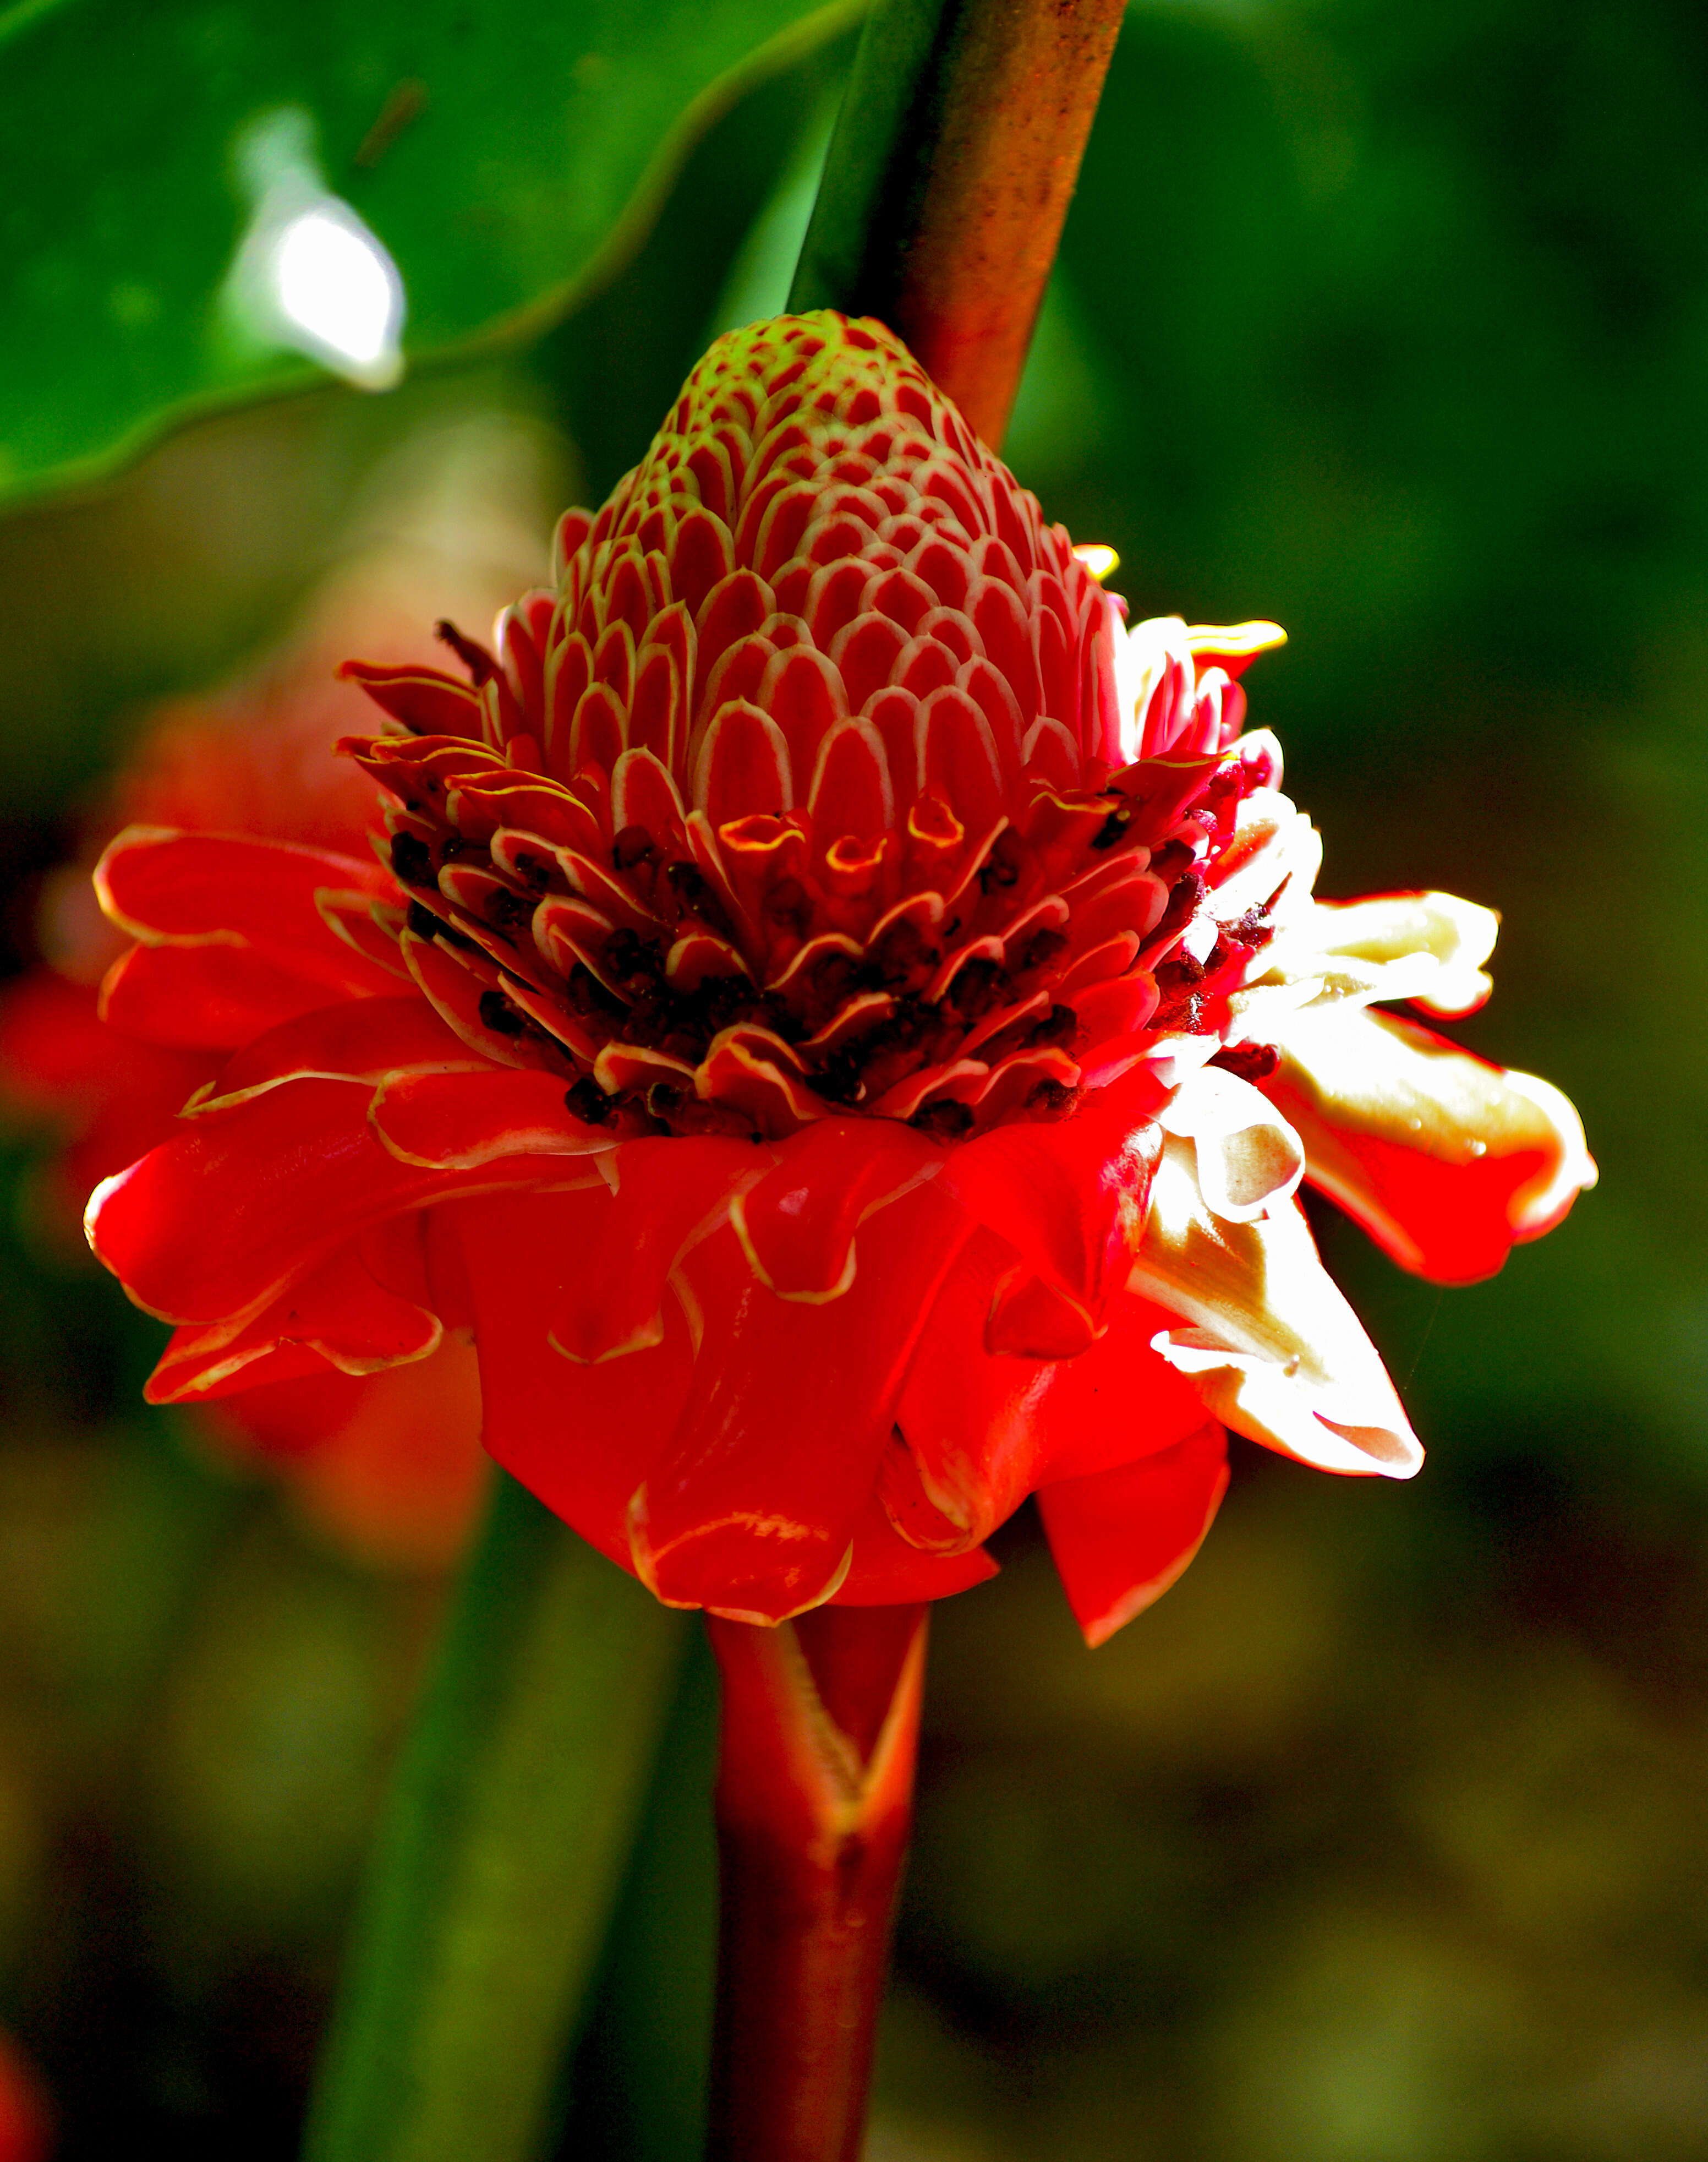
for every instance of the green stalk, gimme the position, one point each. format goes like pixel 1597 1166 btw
pixel 637 2088
pixel 500 1853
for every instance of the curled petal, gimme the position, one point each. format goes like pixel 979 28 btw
pixel 798 1223
pixel 288 1176
pixel 580 1436
pixel 751 1508
pixel 357 1040
pixel 1274 855
pixel 1272 1346
pixel 1119 1539
pixel 886 1571
pixel 665 1192
pixel 1446 1161
pixel 158 885
pixel 1249 1159
pixel 231 939
pixel 452 1121
pixel 1068 1198
pixel 339 1315
pixel 977 1432
pixel 1428 947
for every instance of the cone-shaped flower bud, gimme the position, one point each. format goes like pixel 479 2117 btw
pixel 847 1021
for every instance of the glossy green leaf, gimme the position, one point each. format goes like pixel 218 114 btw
pixel 502 155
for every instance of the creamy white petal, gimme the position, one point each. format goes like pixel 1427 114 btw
pixel 1429 948
pixel 1274 850
pixel 1249 1158
pixel 1444 1158
pixel 1267 1337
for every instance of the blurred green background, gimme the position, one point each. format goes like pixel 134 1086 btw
pixel 1381 1839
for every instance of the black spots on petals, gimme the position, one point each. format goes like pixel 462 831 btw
pixel 499 1015
pixel 1051 1099
pixel 631 847
pixel 978 986
pixel 1040 949
pixel 1001 869
pixel 508 911
pixel 589 1001
pixel 696 898
pixel 902 960
pixel 947 1121
pixel 1185 898
pixel 588 1102
pixel 1253 930
pixel 426 925
pixel 634 965
pixel 1059 1025
pixel 1248 1061
pixel 412 860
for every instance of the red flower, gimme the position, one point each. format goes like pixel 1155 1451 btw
pixel 387 1461
pixel 844 1020
pixel 26 2116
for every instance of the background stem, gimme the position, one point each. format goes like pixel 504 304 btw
pixel 949 175
pixel 499 1858
pixel 639 2081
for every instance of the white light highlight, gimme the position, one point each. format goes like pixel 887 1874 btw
pixel 309 275
pixel 338 285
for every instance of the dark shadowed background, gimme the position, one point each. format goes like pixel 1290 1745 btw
pixel 1381 1839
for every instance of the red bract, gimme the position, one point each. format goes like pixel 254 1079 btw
pixel 845 1019
pixel 26 2116
pixel 389 1462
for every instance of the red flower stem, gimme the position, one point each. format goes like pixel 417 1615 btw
pixel 945 186
pixel 504 1841
pixel 949 175
pixel 815 1798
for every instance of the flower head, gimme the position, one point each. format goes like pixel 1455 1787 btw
pixel 844 1020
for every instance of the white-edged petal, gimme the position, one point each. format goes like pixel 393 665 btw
pixel 1249 1159
pixel 1428 948
pixel 1269 1341
pixel 1445 1159
pixel 1273 851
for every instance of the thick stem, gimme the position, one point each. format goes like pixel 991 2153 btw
pixel 820 1726
pixel 948 179
pixel 500 1853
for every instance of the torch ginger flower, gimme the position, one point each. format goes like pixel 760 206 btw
pixel 846 1023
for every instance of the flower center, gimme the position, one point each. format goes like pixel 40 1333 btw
pixel 808 788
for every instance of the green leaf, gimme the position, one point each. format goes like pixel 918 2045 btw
pixel 504 156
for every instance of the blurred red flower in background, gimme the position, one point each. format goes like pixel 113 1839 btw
pixel 842 1019
pixel 26 2120
pixel 386 1461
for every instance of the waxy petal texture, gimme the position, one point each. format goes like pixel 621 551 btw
pixel 1274 1349
pixel 852 1019
pixel 728 1520
pixel 1446 1160
pixel 1121 1537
